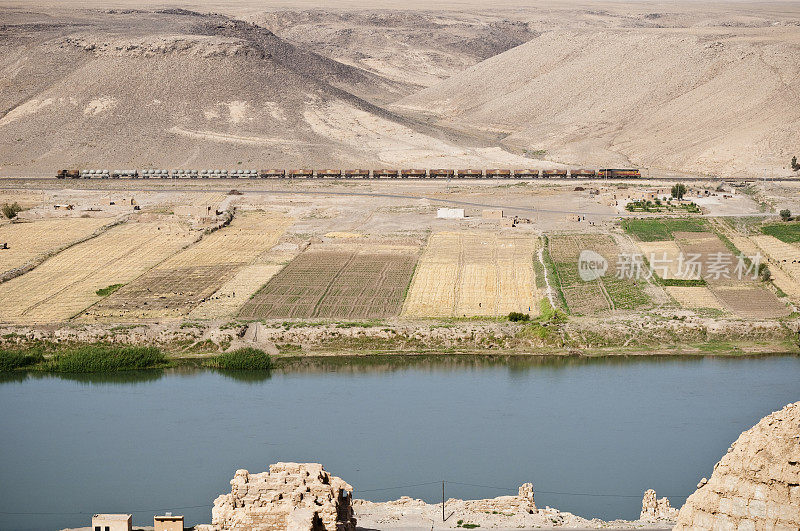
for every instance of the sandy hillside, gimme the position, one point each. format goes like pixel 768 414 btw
pixel 714 94
pixel 180 89
pixel 410 47
pixel 696 87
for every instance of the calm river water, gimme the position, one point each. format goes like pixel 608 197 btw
pixel 591 435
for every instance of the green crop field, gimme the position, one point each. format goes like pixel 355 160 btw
pixel 785 232
pixel 660 229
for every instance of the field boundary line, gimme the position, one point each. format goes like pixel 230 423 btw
pixel 558 277
pixel 331 282
pixel 548 289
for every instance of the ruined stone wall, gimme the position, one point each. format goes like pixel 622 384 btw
pixel 655 509
pixel 756 485
pixel 291 496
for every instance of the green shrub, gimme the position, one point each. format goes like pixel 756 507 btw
pixel 251 359
pixel 108 290
pixel 518 316
pixel 681 282
pixel 11 211
pixel 105 358
pixel 786 214
pixel 12 359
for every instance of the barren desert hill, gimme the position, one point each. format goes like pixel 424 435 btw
pixel 172 88
pixel 418 47
pixel 692 86
pixel 716 99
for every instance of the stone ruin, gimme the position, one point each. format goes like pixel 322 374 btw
pixel 756 485
pixel 522 503
pixel 654 509
pixel 291 496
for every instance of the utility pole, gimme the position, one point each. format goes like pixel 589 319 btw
pixel 442 501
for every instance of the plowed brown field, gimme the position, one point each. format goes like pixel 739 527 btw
pixel 335 284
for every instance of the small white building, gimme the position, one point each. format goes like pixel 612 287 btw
pixel 450 213
pixel 112 522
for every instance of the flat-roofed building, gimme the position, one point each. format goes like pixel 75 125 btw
pixel 168 522
pixel 112 522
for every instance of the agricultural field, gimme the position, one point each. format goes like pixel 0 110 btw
pixel 184 281
pixel 67 283
pixel 785 232
pixel 467 274
pixel 695 297
pixel 750 301
pixel 783 260
pixel 29 241
pixel 663 256
pixel 609 292
pixel 662 229
pixel 716 261
pixel 229 298
pixel 344 284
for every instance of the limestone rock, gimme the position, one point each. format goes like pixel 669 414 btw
pixel 654 509
pixel 291 496
pixel 756 485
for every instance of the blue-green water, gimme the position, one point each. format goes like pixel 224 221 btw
pixel 591 435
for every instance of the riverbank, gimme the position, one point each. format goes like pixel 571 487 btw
pixel 290 342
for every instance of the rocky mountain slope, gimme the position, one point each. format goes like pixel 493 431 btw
pixel 717 101
pixel 696 89
pixel 180 89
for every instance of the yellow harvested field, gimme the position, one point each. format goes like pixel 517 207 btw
pixel 695 297
pixel 465 274
pixel 65 285
pixel 33 240
pixel 663 256
pixel 191 277
pixel 783 260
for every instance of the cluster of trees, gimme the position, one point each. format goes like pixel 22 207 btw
pixel 795 165
pixel 679 190
pixel 786 214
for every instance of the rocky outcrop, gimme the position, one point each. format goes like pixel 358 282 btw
pixel 756 485
pixel 654 509
pixel 291 496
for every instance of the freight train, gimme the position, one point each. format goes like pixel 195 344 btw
pixel 440 174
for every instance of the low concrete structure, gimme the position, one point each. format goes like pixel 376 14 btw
pixel 450 213
pixel 112 522
pixel 168 522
